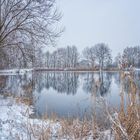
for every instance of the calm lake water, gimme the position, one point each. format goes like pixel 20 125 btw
pixel 65 93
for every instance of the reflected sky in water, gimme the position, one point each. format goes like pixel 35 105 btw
pixel 64 93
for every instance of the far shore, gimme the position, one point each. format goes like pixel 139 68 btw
pixel 75 70
pixel 24 70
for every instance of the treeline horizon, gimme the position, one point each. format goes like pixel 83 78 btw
pixel 98 56
pixel 95 57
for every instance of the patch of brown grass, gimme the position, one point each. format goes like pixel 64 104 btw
pixel 24 100
pixel 75 129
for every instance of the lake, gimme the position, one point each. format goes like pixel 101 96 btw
pixel 65 94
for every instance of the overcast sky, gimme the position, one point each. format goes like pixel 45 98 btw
pixel 87 22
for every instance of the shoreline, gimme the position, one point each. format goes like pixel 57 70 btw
pixel 16 71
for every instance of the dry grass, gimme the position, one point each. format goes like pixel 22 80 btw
pixel 126 121
pixel 129 118
pixel 24 100
pixel 75 129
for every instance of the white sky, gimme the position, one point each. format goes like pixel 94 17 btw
pixel 87 22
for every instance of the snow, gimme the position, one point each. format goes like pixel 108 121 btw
pixel 15 122
pixel 14 71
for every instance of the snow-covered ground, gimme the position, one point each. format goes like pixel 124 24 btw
pixel 15 123
pixel 14 71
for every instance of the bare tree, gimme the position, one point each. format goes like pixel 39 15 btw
pixel 54 59
pixel 3 58
pixel 103 55
pixel 118 61
pixel 74 56
pixel 25 24
pixel 132 56
pixel 47 59
pixel 61 57
pixel 89 55
pixel 99 54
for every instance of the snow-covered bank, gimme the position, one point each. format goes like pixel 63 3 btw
pixel 14 71
pixel 15 122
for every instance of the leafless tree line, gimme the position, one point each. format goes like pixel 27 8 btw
pixel 98 56
pixel 61 58
pixel 69 57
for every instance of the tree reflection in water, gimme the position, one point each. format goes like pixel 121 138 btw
pixel 62 82
pixel 98 83
pixel 105 82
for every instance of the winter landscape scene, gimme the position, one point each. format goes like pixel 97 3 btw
pixel 69 70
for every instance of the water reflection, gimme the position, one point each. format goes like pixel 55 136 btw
pixel 97 82
pixel 65 93
pixel 62 82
